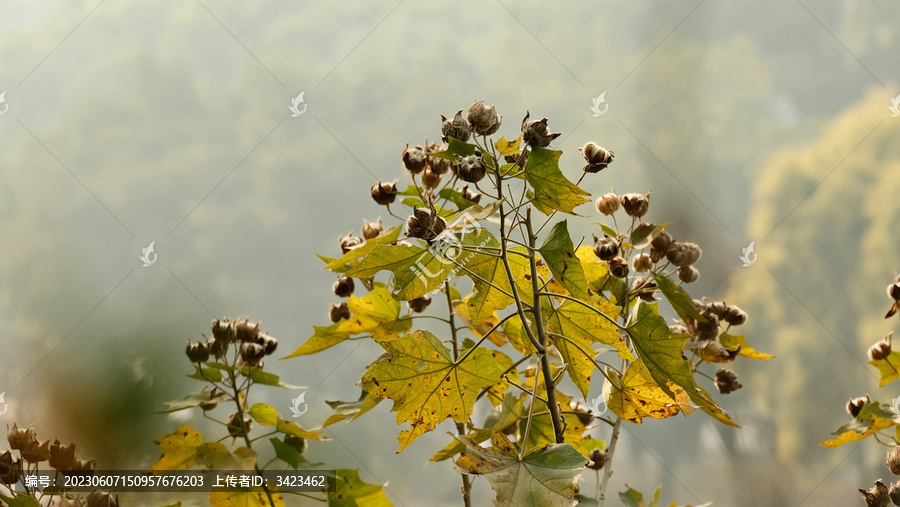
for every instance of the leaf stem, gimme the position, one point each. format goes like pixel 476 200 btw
pixel 607 469
pixel 460 427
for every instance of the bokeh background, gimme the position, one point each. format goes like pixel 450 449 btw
pixel 167 121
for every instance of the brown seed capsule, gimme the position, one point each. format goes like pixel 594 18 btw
pixel 483 120
pixel 224 331
pixel 252 353
pixel 298 443
pixel 893 291
pixel 236 427
pixel 714 351
pixel 607 203
pixel 679 329
pixel 62 457
pixel 438 165
pixel 470 195
pixel 457 128
pixel 10 468
pixel 894 493
pixel 520 159
pixel 662 241
pixel 430 180
pixel 100 499
pixel 656 255
pixel 618 267
pixel 384 193
pixel 371 230
pixel 414 159
pixel 338 312
pixel 878 496
pixel 688 274
pixel 720 309
pixel 893 460
pixel 598 459
pixel 582 412
pixel 683 254
pixel 217 348
pixel 636 205
pixel 606 248
pixel 537 133
pixel 36 452
pixel 209 405
pixel 471 168
pixel 726 381
pixel 733 315
pixel 19 439
pixel 419 304
pixel 197 352
pixel 349 242
pixel 343 287
pixel 246 332
pixel 84 466
pixel 424 224
pixel 597 157
pixel 855 405
pixel 642 263
pixel 267 342
pixel 881 349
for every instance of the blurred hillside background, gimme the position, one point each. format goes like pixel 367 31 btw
pixel 168 121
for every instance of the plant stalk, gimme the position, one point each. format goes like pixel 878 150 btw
pixel 460 427
pixel 607 467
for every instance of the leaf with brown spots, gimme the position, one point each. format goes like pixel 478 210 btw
pixel 425 384
pixel 638 396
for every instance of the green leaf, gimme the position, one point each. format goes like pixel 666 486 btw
pixel 552 190
pixel 195 399
pixel 206 374
pixel 889 367
pixel 661 350
pixel 289 455
pixel 324 337
pixel 456 149
pixel 644 234
pixel 633 498
pixel 351 410
pixel 348 260
pixel 386 258
pixel 558 252
pixel 426 386
pixel 678 297
pixel 259 376
pixel 351 491
pixel 21 500
pixel 264 414
pixel 546 476
pixel 216 456
pixel 291 428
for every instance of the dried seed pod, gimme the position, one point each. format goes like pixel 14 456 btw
pixel 733 315
pixel 683 254
pixel 597 157
pixel 483 120
pixel 457 128
pixel 726 381
pixel 688 274
pixel 618 267
pixel 419 304
pixel 339 311
pixel 36 452
pixel 519 159
pixel 881 349
pixel 878 496
pixel 298 443
pixel 679 329
pixel 236 427
pixel 197 352
pixel 537 133
pixel 584 414
pixel 252 353
pixel 217 348
pixel 893 460
pixel 471 168
pixel 62 457
pixel 430 180
pixel 855 405
pixel 715 351
pixel 371 230
pixel 644 288
pixel 720 309
pixel 209 405
pixel 662 241
pixel 424 224
pixel 224 331
pixel 19 439
pixel 246 332
pixel 656 255
pixel 607 203
pixel 693 252
pixel 349 242
pixel 636 205
pixel 414 159
pixel 101 499
pixel 267 342
pixel 606 248
pixel 343 287
pixel 893 291
pixel 642 263
pixel 10 468
pixel 384 193
pixel 894 493
pixel 470 195
pixel 438 165
pixel 84 466
pixel 598 459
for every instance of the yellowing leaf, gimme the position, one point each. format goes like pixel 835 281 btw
pixel 515 332
pixel 732 342
pixel 558 252
pixel 324 337
pixel 878 423
pixel 217 457
pixel 351 491
pixel 552 190
pixel 505 147
pixel 348 260
pixel 889 367
pixel 351 409
pixel 254 497
pixel 661 351
pixel 545 476
pixel 496 337
pixel 377 313
pixel 264 414
pixel 179 450
pixel 485 298
pixel 541 432
pixel 424 383
pixel 291 428
pixel 638 396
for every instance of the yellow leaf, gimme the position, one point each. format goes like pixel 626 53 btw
pixel 264 414
pixel 639 396
pixel 497 337
pixel 351 491
pixel 179 450
pixel 290 428
pixel 426 386
pixel 505 147
pixel 878 423
pixel 888 367
pixel 731 342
